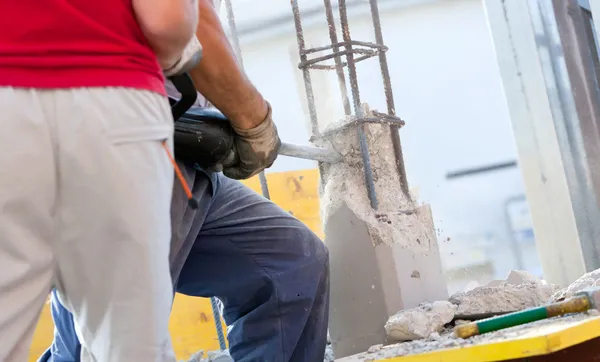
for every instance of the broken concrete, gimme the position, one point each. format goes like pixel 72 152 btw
pixel 385 259
pixel 398 220
pixel 447 339
pixel 420 322
pixel 591 279
pixel 516 277
pixel 519 291
pixel 329 357
pixel 211 356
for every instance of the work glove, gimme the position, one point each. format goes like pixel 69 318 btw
pixel 189 59
pixel 255 149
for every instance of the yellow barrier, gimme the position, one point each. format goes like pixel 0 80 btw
pixel 537 341
pixel 192 324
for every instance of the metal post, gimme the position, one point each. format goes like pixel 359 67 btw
pixel 264 186
pixel 218 325
pixel 312 108
pixel 339 69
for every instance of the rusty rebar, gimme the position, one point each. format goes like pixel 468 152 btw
pixel 352 75
pixel 310 97
pixel 389 97
pixel 339 67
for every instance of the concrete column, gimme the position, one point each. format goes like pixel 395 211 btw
pixel 382 260
pixel 535 52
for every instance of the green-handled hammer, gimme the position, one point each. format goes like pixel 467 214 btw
pixel 580 302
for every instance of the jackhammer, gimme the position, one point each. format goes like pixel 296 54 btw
pixel 204 135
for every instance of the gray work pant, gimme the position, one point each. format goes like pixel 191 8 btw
pixel 85 189
pixel 269 270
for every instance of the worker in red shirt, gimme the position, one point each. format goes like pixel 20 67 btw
pixel 85 180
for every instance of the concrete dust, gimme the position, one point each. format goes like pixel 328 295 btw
pixel 447 340
pixel 519 291
pixel 420 322
pixel 591 279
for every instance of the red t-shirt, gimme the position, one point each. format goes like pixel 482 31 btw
pixel 75 43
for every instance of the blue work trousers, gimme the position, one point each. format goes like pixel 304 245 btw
pixel 270 272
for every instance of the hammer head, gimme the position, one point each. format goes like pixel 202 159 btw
pixel 593 295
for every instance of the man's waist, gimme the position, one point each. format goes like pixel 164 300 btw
pixel 79 77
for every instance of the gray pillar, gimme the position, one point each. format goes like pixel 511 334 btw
pixel 543 71
pixel 382 260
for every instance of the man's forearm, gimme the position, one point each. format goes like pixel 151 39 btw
pixel 168 26
pixel 220 78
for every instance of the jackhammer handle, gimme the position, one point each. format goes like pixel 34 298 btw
pixel 184 85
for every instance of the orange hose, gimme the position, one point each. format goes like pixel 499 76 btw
pixel 184 184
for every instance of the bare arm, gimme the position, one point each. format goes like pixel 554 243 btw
pixel 219 77
pixel 168 26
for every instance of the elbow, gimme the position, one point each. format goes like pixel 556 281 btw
pixel 168 31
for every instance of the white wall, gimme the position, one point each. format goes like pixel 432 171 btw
pixel 447 88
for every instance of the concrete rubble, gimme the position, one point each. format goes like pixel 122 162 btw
pixel 211 356
pixel 420 322
pixel 223 356
pixel 329 354
pixel 591 279
pixel 447 340
pixel 520 290
pixel 329 357
pixel 427 328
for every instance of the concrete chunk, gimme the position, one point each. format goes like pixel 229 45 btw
pixel 588 280
pixel 518 277
pixel 519 291
pixel 420 322
pixel 501 299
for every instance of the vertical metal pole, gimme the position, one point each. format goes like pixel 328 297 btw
pixel 310 96
pixel 264 186
pixel 312 109
pixel 218 325
pixel 389 97
pixel 339 68
pixel 234 34
pixel 364 148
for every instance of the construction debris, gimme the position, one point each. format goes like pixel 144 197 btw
pixel 447 339
pixel 329 357
pixel 420 322
pixel 211 356
pixel 519 291
pixel 591 279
